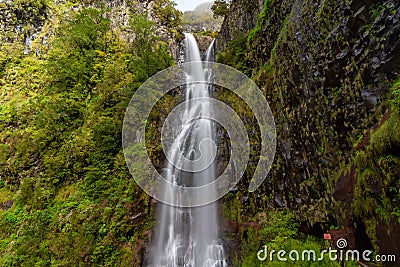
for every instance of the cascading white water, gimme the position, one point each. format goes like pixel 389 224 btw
pixel 188 237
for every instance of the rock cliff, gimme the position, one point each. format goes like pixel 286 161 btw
pixel 326 68
pixel 31 20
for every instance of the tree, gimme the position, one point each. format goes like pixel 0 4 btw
pixel 165 10
pixel 150 53
pixel 220 8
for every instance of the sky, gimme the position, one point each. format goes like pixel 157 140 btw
pixel 185 5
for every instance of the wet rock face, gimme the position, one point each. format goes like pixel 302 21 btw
pixel 6 205
pixel 345 186
pixel 25 21
pixel 241 18
pixel 21 21
pixel 203 42
pixel 326 69
pixel 332 72
pixel 389 240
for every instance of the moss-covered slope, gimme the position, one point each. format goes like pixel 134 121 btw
pixel 66 196
pixel 326 68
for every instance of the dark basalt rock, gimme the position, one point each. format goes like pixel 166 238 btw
pixel 6 205
pixel 330 66
pixel 343 58
pixel 241 18
pixel 345 185
pixel 388 235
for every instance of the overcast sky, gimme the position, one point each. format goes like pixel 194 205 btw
pixel 185 5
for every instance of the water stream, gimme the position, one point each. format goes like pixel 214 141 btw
pixel 189 237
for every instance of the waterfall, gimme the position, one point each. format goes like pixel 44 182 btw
pixel 210 52
pixel 188 237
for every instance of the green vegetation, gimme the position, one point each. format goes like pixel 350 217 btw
pixel 377 191
pixel 321 114
pixel 235 53
pixel 260 21
pixel 279 231
pixel 396 96
pixel 20 15
pixel 166 12
pixel 220 8
pixel 201 20
pixel 242 52
pixel 66 197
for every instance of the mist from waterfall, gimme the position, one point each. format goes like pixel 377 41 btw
pixel 189 237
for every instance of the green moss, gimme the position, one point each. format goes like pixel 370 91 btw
pixel 396 95
pixel 279 231
pixel 60 119
pixel 260 22
pixel 5 195
pixel 376 196
pixel 231 208
pixel 235 53
pixel 378 163
pixel 26 14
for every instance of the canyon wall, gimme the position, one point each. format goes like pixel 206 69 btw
pixel 326 68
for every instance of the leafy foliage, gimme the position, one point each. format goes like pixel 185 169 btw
pixel 220 8
pixel 260 21
pixel 279 231
pixel 268 53
pixel 166 12
pixel 72 196
pixel 377 192
pixel 235 53
pixel 20 17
